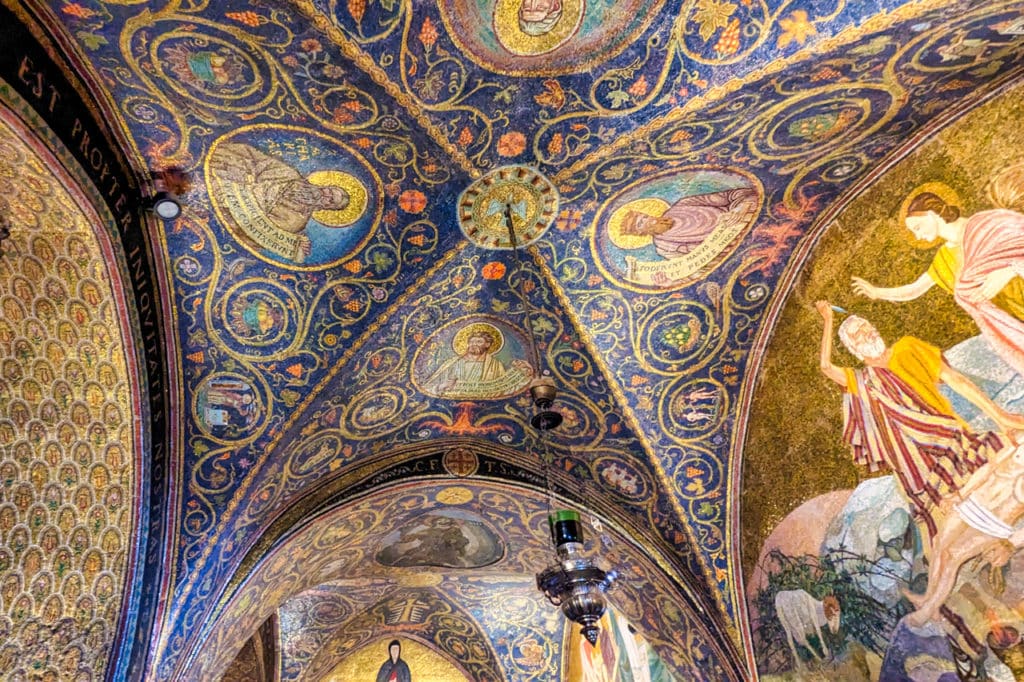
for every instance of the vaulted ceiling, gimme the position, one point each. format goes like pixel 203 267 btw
pixel 293 369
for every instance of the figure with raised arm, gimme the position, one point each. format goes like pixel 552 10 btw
pixel 981 262
pixel 895 417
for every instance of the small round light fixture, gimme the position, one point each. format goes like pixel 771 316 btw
pixel 166 205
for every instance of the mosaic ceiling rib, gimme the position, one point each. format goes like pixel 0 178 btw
pixel 319 335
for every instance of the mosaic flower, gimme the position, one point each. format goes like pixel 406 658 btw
pixel 511 144
pixel 493 270
pixel 412 201
pixel 428 34
pixel 796 28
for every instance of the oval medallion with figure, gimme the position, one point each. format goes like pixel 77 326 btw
pixel 227 406
pixel 544 37
pixel 665 232
pixel 473 358
pixel 293 196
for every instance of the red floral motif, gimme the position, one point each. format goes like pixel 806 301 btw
pixel 493 270
pixel 428 34
pixel 555 144
pixel 342 116
pixel 247 18
pixel 511 144
pixel 412 201
pixel 639 87
pixel 553 95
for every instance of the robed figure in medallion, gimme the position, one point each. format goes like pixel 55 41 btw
pixel 296 201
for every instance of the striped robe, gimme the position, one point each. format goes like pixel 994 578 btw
pixel 890 425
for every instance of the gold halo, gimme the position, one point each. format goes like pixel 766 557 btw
pixel 512 38
pixel 454 495
pixel 939 189
pixel 461 341
pixel 357 197
pixel 649 205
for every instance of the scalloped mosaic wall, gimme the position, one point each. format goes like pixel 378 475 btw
pixel 67 451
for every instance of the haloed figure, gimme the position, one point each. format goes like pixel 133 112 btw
pixel 537 17
pixel 684 225
pixel 394 669
pixel 981 262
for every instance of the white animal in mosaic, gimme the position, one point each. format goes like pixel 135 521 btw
pixel 802 615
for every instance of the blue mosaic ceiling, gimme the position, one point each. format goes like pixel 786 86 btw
pixel 311 343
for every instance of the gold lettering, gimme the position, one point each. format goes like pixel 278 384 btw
pixel 29 77
pixel 54 97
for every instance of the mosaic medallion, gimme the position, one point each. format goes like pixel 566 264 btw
pixel 668 230
pixel 531 197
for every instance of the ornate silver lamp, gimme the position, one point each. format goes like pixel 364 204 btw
pixel 574 584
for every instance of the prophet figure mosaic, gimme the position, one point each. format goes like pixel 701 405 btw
pixel 473 358
pixel 294 197
pixel 662 232
pixel 543 36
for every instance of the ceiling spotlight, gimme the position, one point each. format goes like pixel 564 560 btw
pixel 166 205
pixel 168 185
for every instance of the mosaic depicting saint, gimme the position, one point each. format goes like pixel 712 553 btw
pixel 227 403
pixel 475 371
pixel 663 231
pixel 275 206
pixel 683 226
pixel 980 262
pixel 394 669
pixel 895 416
pixel 545 37
pixel 539 27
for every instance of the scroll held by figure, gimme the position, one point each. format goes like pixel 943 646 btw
pixel 665 231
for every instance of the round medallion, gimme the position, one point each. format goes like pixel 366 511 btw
pixel 519 191
pixel 669 230
pixel 461 462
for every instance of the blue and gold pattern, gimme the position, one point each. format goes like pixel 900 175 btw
pixel 317 282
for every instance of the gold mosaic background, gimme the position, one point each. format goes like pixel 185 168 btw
pixel 426 664
pixel 66 448
pixel 787 465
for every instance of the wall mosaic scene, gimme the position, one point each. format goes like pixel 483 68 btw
pixel 770 253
